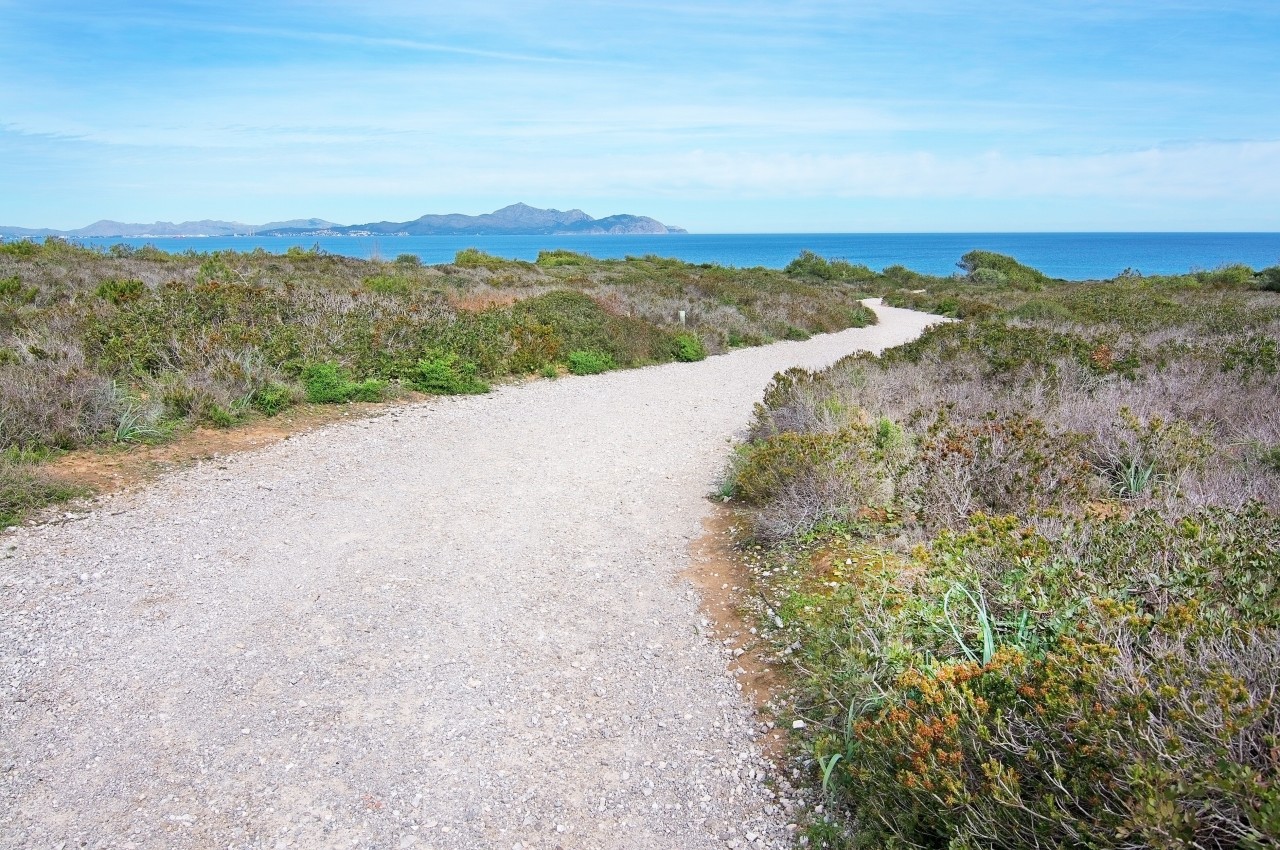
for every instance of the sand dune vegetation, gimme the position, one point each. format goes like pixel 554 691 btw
pixel 1026 568
pixel 129 345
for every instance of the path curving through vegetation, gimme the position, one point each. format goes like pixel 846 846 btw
pixel 457 625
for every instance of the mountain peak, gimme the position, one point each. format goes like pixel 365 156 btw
pixel 518 219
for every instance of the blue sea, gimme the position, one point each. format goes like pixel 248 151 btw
pixel 1074 256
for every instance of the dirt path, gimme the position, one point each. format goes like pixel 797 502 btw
pixel 456 625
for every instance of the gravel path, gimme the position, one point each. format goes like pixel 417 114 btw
pixel 457 625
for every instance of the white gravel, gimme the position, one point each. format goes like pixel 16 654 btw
pixel 458 625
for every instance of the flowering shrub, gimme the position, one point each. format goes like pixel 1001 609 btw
pixel 1053 619
pixel 1110 685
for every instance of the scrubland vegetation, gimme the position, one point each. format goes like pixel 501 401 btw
pixel 1026 569
pixel 128 346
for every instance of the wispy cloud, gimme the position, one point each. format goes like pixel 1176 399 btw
pixel 738 107
pixel 406 44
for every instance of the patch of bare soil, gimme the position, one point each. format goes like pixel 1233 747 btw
pixel 116 468
pixel 723 583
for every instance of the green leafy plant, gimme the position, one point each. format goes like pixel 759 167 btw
pixel 219 416
pixel 1133 479
pixel 689 348
pixel 138 421
pixel 589 362
pixel 446 374
pixel 810 264
pixel 327 383
pixel 385 284
pixel 474 258
pixel 121 291
pixel 992 269
pixel 273 399
pixel 561 257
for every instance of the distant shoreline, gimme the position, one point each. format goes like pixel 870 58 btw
pixel 1069 256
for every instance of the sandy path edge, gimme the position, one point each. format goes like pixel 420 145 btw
pixel 456 625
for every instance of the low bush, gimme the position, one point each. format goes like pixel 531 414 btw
pixel 121 291
pixel 1108 684
pixel 578 322
pixel 992 269
pixel 386 284
pixel 125 345
pixel 445 374
pixel 327 383
pixel 24 489
pixel 589 362
pixel 796 481
pixel 1050 618
pixel 24 248
pixel 810 264
pixel 54 403
pixel 12 291
pixel 273 399
pixel 561 257
pixel 689 348
pixel 474 258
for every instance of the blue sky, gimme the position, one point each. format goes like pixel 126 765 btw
pixel 910 115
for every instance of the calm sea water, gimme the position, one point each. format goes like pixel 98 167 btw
pixel 1074 256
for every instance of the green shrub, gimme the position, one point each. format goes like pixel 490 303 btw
pixel 24 248
pixel 121 291
pixel 215 269
pixel 574 321
pixel 273 399
pixel 412 260
pixel 326 383
pixel 219 417
pixel 1234 276
pixel 445 374
pixel 474 258
pixel 589 362
pixel 297 253
pixel 793 482
pixel 810 264
pixel 902 275
pixel 561 257
pixel 988 277
pixel 1254 354
pixel 1099 687
pixel 689 348
pixel 992 269
pixel 12 290
pixel 1037 310
pixel 1269 279
pixel 385 284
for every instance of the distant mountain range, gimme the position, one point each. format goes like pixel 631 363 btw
pixel 107 229
pixel 515 220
